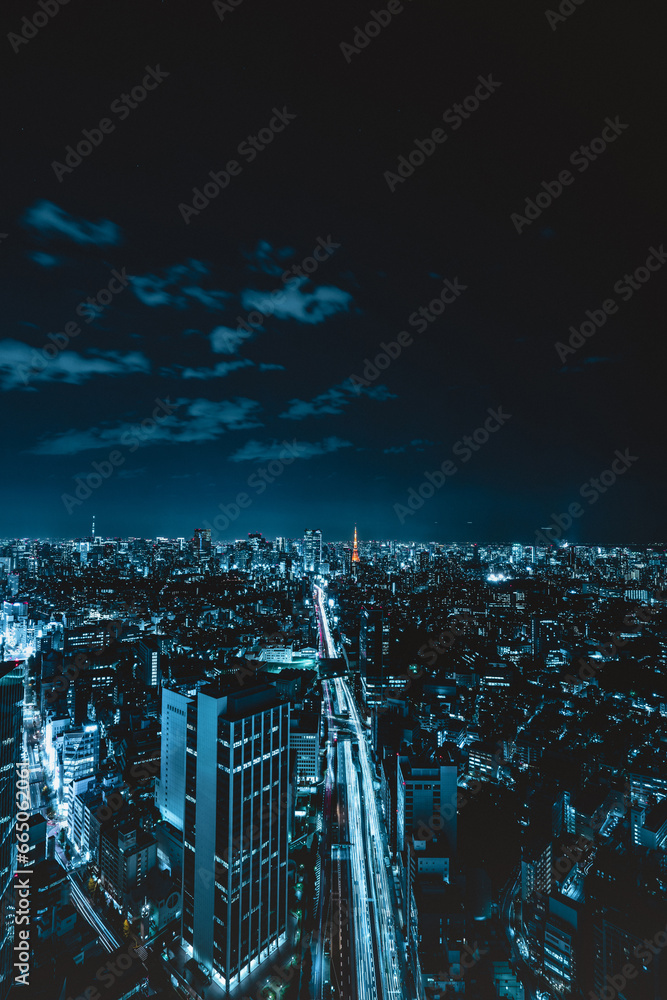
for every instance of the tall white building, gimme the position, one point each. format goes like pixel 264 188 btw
pixel 170 789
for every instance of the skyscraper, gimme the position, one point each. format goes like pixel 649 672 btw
pixel 11 742
pixel 202 540
pixel 170 790
pixel 236 829
pixel 373 653
pixel 426 790
pixel 312 549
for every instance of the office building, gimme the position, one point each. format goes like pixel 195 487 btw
pixel 202 541
pixel 312 549
pixel 236 829
pixel 305 741
pixel 127 855
pixel 373 654
pixel 426 791
pixel 170 788
pixel 80 753
pixel 148 654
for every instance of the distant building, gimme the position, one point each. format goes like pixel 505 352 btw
pixel 312 549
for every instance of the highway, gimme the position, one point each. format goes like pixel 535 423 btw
pixel 79 899
pixel 380 968
pixel 347 902
pixel 325 875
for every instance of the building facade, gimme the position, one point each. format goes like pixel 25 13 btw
pixel 235 856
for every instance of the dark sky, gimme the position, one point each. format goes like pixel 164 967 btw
pixel 234 396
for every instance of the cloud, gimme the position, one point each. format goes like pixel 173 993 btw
pixel 256 451
pixel 271 368
pixel 594 360
pixel 200 420
pixel 178 287
pixel 219 371
pixel 333 401
pixel 306 307
pixel 44 259
pixel 268 259
pixel 419 444
pixel 50 220
pixel 226 341
pixel 17 360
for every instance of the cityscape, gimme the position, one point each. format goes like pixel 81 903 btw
pixel 333 549
pixel 297 769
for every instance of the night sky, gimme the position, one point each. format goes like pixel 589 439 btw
pixel 338 121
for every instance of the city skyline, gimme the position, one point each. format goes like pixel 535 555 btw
pixel 184 332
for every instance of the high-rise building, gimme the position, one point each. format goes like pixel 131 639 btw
pixel 148 652
pixel 11 743
pixel 237 799
pixel 80 752
pixel 373 653
pixel 426 790
pixel 202 540
pixel 312 549
pixel 170 790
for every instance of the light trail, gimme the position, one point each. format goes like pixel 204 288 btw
pixel 368 841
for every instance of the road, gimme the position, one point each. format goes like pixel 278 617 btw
pixel 343 969
pixel 325 866
pixel 532 984
pixel 380 969
pixel 80 900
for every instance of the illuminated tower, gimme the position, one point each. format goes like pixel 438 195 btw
pixel 355 550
